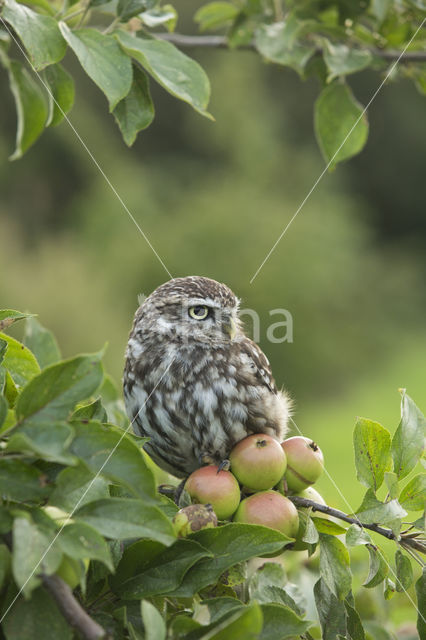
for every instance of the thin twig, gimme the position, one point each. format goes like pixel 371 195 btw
pixel 72 611
pixel 221 42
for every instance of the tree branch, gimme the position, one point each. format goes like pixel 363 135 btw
pixel 72 611
pixel 220 42
pixel 404 540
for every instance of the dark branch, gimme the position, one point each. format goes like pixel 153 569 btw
pixel 403 540
pixel 220 42
pixel 73 613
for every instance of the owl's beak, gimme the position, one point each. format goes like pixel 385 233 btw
pixel 230 328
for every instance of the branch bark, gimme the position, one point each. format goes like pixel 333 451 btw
pixel 404 540
pixel 72 611
pixel 220 42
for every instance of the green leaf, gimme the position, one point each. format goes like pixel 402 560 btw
pixel 421 604
pixel 19 361
pixel 127 518
pixel 373 511
pixel 404 571
pixel 177 73
pixel 389 589
pixel 4 408
pixel 126 9
pixel 4 564
pixel 378 567
pixel 155 627
pixel 353 622
pixel 245 624
pixel 230 544
pixel 77 485
pixel 136 111
pixel 147 568
pixel 281 622
pixel 10 390
pixel 21 482
pixel 103 61
pixel 334 565
pixel 93 411
pixel 278 42
pixel 47 441
pixel 79 540
pixel 221 606
pixel 323 525
pixel 372 444
pixel 33 553
pixel 391 481
pixel 331 612
pixel 9 316
pixel 31 108
pixel 342 60
pixel 341 127
pixel 39 340
pixel 165 15
pixel 267 585
pixel 94 443
pixel 408 441
pixel 52 394
pixel 39 34
pixel 215 15
pixel 60 95
pixel 355 536
pixel 36 618
pixel 413 495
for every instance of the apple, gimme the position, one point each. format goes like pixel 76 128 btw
pixel 208 485
pixel 271 509
pixel 312 494
pixel 194 518
pixel 258 462
pixel 305 462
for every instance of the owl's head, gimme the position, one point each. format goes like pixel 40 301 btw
pixel 194 307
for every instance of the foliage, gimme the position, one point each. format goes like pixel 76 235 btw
pixel 118 45
pixel 76 487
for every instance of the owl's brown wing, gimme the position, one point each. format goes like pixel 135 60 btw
pixel 254 365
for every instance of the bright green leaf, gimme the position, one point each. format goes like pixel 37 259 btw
pixel 341 127
pixel 372 444
pixel 41 341
pixel 33 553
pixel 230 544
pixel 323 525
pixel 4 564
pixel 409 438
pixel 391 481
pixel 94 443
pixel 334 565
pixel 52 394
pixel 280 621
pixel 103 60
pixel 39 34
pixel 136 111
pixel 215 15
pixel 155 627
pixel 36 618
pixel 245 624
pixel 413 495
pixel 123 518
pixel 9 316
pixel 404 571
pixel 278 42
pixel 60 95
pixel 93 411
pixel 21 482
pixel 378 567
pixel 19 361
pixel 79 540
pixel 4 408
pixel 421 604
pixel 176 72
pixel 372 511
pixel 342 60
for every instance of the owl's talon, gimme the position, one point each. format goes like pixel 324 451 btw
pixel 225 465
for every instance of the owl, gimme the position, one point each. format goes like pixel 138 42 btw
pixel 194 383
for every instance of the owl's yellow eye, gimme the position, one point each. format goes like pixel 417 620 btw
pixel 200 312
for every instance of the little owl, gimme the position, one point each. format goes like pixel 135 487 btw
pixel 194 383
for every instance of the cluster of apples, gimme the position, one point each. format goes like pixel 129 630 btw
pixel 263 473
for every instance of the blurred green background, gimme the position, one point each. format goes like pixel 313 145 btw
pixel 212 198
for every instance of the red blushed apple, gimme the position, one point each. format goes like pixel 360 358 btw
pixel 271 509
pixel 305 462
pixel 220 489
pixel 258 462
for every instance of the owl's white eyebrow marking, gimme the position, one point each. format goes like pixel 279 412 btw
pixel 203 301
